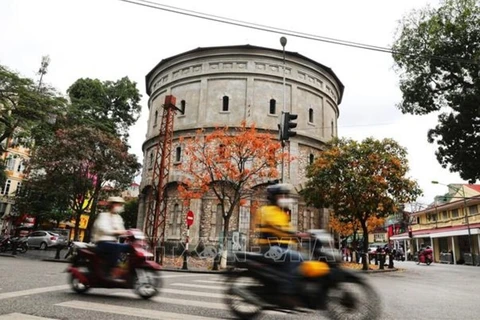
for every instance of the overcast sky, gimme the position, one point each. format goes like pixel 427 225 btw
pixel 109 39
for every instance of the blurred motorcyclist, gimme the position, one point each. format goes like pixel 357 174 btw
pixel 275 234
pixel 107 227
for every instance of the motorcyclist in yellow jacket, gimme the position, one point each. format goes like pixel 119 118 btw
pixel 275 234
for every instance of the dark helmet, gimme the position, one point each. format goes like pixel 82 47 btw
pixel 276 189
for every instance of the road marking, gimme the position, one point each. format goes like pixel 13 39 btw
pixel 183 302
pixel 21 316
pixel 15 294
pixel 198 286
pixel 192 293
pixel 128 311
pixel 177 275
pixel 193 303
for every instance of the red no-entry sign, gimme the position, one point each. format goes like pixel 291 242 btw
pixel 189 218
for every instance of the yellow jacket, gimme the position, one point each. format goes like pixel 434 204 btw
pixel 272 226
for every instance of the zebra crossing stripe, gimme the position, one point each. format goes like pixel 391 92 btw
pixel 198 286
pixel 21 316
pixel 183 302
pixel 15 294
pixel 128 311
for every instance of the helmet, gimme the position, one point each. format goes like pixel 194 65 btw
pixel 276 189
pixel 115 200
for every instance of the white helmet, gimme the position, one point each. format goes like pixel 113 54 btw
pixel 115 200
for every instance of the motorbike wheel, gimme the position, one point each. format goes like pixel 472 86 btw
pixel 239 306
pixel 77 286
pixel 147 289
pixel 23 248
pixel 428 262
pixel 353 299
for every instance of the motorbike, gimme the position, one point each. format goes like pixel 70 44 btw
pixel 425 256
pixel 322 285
pixel 137 269
pixel 7 243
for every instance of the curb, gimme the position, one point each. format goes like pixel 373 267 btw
pixel 7 255
pixel 379 271
pixel 56 260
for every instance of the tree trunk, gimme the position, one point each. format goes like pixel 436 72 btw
pixel 365 246
pixel 78 216
pixel 93 212
pixel 224 254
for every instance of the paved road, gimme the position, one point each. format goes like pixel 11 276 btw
pixel 39 289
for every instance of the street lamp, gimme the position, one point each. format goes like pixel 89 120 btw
pixel 464 211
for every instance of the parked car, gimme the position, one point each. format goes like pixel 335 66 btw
pixel 42 239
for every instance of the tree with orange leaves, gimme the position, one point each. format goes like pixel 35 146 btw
pixel 229 162
pixel 350 228
pixel 361 181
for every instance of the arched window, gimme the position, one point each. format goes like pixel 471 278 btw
pixel 178 154
pixel 273 106
pixel 156 118
pixel 225 100
pixel 310 115
pixel 182 106
pixel 150 160
pixel 176 221
pixel 216 223
pixel 311 158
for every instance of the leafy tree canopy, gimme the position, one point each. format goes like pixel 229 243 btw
pixel 360 180
pixel 24 106
pixel 111 106
pixel 437 52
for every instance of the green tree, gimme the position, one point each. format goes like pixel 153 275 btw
pixel 38 198
pixel 437 52
pixel 79 162
pixel 111 106
pixel 360 180
pixel 130 214
pixel 24 106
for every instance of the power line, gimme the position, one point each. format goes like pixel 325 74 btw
pixel 239 23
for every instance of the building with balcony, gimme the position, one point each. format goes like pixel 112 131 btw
pixel 14 158
pixel 450 225
pixel 223 86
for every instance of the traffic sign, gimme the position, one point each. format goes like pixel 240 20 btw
pixel 189 218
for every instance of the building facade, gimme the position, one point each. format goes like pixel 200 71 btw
pixel 15 159
pixel 223 86
pixel 450 225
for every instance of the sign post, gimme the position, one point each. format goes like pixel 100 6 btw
pixel 189 221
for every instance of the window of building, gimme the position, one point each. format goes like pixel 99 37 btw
pixel 311 158
pixel 455 213
pixel 19 187
pixel 225 103
pixel 182 106
pixel 445 215
pixel 473 209
pixel 178 154
pixel 6 188
pixel 308 220
pixel 21 166
pixel 155 120
pixel 150 160
pixel 176 221
pixel 332 128
pixel 310 115
pixel 273 106
pixel 216 223
pixel 11 162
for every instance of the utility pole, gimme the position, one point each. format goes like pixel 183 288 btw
pixel 43 70
pixel 283 42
